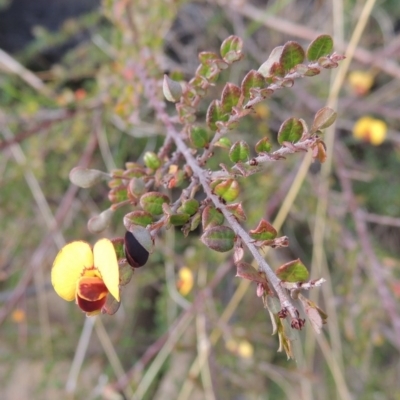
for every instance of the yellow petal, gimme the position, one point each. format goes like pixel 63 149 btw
pixel 371 130
pixel 105 260
pixel 69 266
pixel 361 128
pixel 361 81
pixel 245 349
pixel 378 132
pixel 185 282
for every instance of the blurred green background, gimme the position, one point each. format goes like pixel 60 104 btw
pixel 68 97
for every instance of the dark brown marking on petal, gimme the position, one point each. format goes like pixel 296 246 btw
pixel 91 288
pixel 90 306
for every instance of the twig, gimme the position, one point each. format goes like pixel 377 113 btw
pixel 290 28
pixel 46 244
pixel 202 176
pixel 367 248
pixel 9 64
pixel 155 348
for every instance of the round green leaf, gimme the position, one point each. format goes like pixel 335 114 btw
pixel 215 113
pixel 178 219
pixel 138 217
pixel 151 160
pixel 263 146
pixel 291 130
pixel 264 231
pixel 198 137
pixel 152 202
pixel 239 152
pixel 292 54
pixel 293 271
pixel 229 190
pixel 319 47
pixel 189 206
pixel 252 80
pixel 211 217
pixel 231 49
pixel 230 97
pixel 219 238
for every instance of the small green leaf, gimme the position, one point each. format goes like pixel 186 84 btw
pixel 138 217
pixel 265 68
pixel 219 238
pixel 229 190
pixel 291 130
pixel 152 202
pixel 263 146
pixel 178 219
pixel 208 71
pixel 198 137
pixel 211 217
pixel 195 221
pixel 224 143
pixel 230 97
pixel 323 118
pixel 231 49
pixel 239 152
pixel 151 160
pixel 135 172
pixel 264 231
pixel 215 113
pixel 292 54
pixel 118 194
pixel 189 206
pixel 293 271
pixel 172 90
pixel 205 57
pixel 319 47
pixel 252 80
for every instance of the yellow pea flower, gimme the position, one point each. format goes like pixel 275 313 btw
pixel 361 81
pixel 185 281
pixel 371 130
pixel 243 348
pixel 85 275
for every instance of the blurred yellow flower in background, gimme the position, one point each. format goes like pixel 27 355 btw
pixel 243 348
pixel 361 81
pixel 185 281
pixel 371 130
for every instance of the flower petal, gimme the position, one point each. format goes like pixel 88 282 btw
pixel 105 260
pixel 91 288
pixel 69 266
pixel 90 307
